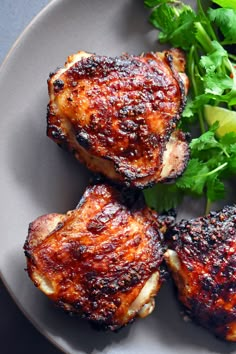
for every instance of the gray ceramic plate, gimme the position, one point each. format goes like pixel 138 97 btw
pixel 37 177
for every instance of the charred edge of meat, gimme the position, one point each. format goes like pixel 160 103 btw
pixel 58 85
pixel 131 180
pixel 132 198
pixel 169 217
pixel 217 322
pixel 56 133
pixel 99 178
pixel 119 184
pixel 54 72
pixel 83 139
pixel 101 325
pixel 183 98
pixel 184 226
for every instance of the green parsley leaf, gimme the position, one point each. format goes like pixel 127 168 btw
pixel 215 58
pixel 205 142
pixel 162 17
pixel 226 3
pixel 217 83
pixel 188 110
pixel 176 24
pixel 194 177
pixel 163 197
pixel 183 35
pixel 231 166
pixel 215 188
pixel 228 139
pixel 228 143
pixel 226 21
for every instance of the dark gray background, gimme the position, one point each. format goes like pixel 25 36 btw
pixel 17 335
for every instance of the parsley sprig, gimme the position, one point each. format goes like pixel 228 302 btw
pixel 205 35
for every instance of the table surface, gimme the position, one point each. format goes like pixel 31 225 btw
pixel 17 334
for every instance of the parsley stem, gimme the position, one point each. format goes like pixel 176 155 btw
pixel 214 171
pixel 207 23
pixel 227 64
pixel 226 153
pixel 191 68
pixel 201 121
pixel 203 38
pixel 208 206
pixel 217 169
pixel 194 73
pixel 176 12
pixel 232 56
pixel 208 201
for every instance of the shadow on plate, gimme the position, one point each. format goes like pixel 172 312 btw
pixel 82 337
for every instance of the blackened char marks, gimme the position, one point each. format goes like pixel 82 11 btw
pixel 206 272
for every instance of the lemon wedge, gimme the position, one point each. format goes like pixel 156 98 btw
pixel 225 117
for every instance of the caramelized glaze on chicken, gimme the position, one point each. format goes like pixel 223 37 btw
pixel 202 259
pixel 117 115
pixel 101 260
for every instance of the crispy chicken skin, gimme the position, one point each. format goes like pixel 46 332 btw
pixel 116 115
pixel 101 260
pixel 202 259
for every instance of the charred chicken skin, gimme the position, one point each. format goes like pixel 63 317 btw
pixel 117 115
pixel 101 260
pixel 202 259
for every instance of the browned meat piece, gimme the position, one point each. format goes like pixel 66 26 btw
pixel 101 260
pixel 117 114
pixel 202 259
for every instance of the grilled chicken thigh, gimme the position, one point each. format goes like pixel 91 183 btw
pixel 101 260
pixel 117 115
pixel 202 259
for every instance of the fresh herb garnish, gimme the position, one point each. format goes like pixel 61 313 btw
pixel 205 36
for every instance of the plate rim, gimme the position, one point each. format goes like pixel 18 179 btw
pixel 10 53
pixel 24 32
